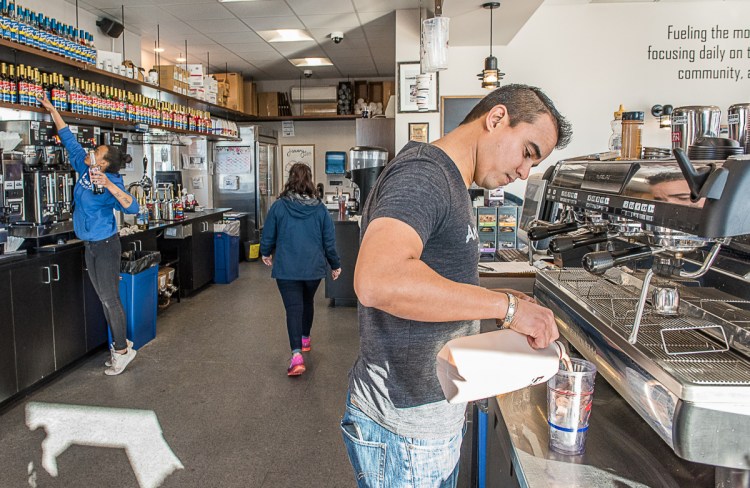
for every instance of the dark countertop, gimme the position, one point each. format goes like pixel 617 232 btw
pixel 189 216
pixel 621 450
pixel 73 243
pixel 338 220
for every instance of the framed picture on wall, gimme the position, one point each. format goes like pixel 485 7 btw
pixel 298 153
pixel 454 109
pixel 419 131
pixel 408 90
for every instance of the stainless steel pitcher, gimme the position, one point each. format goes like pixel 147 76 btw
pixel 692 122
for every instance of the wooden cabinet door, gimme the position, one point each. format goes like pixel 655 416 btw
pixel 32 316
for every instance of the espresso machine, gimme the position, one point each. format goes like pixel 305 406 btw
pixel 41 200
pixel 659 298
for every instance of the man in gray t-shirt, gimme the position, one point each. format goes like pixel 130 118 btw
pixel 417 281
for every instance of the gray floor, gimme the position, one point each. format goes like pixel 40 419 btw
pixel 215 376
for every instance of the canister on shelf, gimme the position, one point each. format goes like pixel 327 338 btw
pixel 632 128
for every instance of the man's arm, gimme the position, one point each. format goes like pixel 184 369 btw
pixel 390 276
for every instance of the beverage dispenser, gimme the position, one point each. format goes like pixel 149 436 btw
pixel 366 164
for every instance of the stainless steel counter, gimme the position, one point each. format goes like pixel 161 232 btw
pixel 621 450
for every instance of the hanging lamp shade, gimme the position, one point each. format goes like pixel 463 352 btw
pixel 491 74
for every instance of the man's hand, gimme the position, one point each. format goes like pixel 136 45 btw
pixel 268 260
pixel 537 323
pixel 335 274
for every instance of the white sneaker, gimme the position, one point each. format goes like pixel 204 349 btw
pixel 108 362
pixel 120 362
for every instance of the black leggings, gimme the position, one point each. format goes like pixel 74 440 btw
pixel 103 263
pixel 298 297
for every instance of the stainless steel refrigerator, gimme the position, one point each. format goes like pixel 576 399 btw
pixel 245 173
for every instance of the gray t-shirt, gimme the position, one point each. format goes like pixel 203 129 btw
pixel 394 380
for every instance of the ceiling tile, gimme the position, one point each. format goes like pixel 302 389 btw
pixel 377 18
pixel 150 14
pixel 379 32
pixel 384 5
pixel 310 7
pixel 331 22
pixel 346 44
pixel 351 33
pixel 351 53
pixel 258 47
pixel 235 37
pixel 259 9
pixel 215 26
pixel 269 23
pixel 260 57
pixel 211 11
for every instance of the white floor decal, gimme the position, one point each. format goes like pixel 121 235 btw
pixel 136 431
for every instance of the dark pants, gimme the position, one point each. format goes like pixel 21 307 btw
pixel 298 297
pixel 103 263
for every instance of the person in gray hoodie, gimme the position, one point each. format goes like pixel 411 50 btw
pixel 299 242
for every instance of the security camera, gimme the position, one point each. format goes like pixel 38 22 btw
pixel 307 73
pixel 337 37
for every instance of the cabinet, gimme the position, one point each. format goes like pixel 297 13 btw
pixel 48 316
pixel 196 254
pixel 341 291
pixel 8 385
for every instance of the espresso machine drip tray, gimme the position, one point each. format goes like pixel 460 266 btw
pixel 689 355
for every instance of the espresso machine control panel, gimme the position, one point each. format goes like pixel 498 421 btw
pixel 32 132
pixel 87 136
pixel 12 176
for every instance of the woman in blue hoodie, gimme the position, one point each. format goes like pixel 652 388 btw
pixel 299 241
pixel 94 223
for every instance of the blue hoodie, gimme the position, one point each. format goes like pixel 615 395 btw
pixel 93 219
pixel 299 233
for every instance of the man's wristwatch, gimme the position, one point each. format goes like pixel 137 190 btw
pixel 512 306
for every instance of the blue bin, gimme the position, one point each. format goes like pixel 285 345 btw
pixel 226 258
pixel 139 296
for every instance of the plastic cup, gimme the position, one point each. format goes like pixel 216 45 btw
pixel 569 400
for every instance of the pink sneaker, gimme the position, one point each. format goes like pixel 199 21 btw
pixel 296 365
pixel 306 346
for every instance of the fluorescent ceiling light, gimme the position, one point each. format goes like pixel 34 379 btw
pixel 180 60
pixel 311 62
pixel 285 35
pixel 158 49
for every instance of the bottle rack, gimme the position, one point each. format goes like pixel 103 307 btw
pixel 22 54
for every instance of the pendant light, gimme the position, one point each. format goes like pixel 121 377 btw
pixel 490 75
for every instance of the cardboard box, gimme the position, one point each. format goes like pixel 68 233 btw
pixel 251 99
pixel 268 104
pixel 235 98
pixel 322 108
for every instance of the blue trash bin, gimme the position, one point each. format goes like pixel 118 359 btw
pixel 139 296
pixel 226 258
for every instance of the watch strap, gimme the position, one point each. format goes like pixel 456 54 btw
pixel 512 307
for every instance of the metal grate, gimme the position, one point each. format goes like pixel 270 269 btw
pixel 615 305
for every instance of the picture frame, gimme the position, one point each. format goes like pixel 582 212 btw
pixel 419 131
pixel 296 153
pixel 407 89
pixel 453 110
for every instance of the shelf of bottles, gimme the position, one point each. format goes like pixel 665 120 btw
pixel 34 29
pixel 22 87
pixel 34 39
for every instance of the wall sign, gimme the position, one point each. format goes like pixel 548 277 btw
pixel 713 52
pixel 291 155
pixel 407 89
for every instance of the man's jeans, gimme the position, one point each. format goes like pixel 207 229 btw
pixel 381 458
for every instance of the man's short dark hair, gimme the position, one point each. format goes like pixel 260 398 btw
pixel 525 104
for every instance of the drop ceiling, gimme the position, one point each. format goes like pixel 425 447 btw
pixel 224 34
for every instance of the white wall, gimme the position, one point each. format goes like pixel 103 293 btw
pixel 333 135
pixel 589 58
